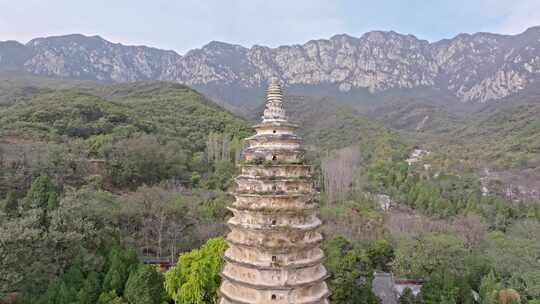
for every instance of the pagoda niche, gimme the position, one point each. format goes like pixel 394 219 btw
pixel 274 253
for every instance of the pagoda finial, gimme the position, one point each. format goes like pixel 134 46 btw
pixel 274 102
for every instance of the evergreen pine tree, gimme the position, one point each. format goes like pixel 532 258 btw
pixel 110 298
pixel 464 292
pixel 39 193
pixel 489 288
pixel 122 262
pixel 441 288
pixel 89 293
pixel 11 205
pixel 144 286
pixel 74 277
pixel 52 201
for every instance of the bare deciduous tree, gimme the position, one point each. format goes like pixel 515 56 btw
pixel 471 228
pixel 221 146
pixel 404 221
pixel 162 220
pixel 338 172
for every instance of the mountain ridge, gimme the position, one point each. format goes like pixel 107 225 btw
pixel 477 67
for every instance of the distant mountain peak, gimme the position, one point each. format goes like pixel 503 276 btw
pixel 343 36
pixel 219 46
pixel 472 67
pixel 533 29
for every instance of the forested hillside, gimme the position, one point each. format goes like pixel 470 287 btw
pixel 508 136
pixel 438 211
pixel 98 179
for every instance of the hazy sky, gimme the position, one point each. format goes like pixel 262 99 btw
pixel 185 24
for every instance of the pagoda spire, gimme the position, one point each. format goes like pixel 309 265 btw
pixel 274 103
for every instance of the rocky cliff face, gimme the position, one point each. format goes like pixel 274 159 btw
pixel 477 67
pixel 487 66
pixel 84 57
pixel 13 55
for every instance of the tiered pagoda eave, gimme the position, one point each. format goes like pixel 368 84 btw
pixel 274 253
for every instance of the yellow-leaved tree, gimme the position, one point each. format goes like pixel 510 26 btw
pixel 195 278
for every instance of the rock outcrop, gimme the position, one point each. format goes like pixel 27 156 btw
pixel 478 67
